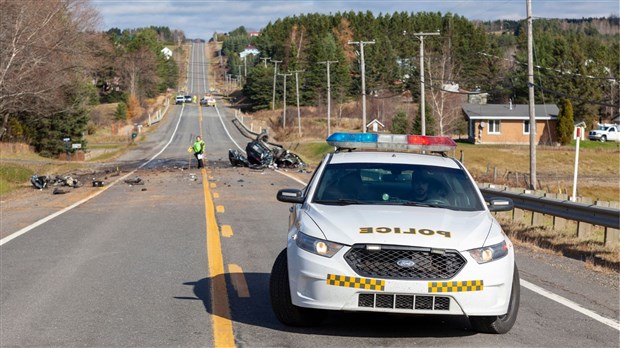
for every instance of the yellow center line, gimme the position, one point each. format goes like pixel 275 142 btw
pixel 222 325
pixel 220 308
pixel 200 124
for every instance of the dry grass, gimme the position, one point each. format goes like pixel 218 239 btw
pixel 590 249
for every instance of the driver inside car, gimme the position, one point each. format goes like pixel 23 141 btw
pixel 425 188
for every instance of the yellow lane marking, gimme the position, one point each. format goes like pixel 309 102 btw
pixel 221 318
pixel 238 280
pixel 200 126
pixel 227 231
pixel 216 195
pixel 220 209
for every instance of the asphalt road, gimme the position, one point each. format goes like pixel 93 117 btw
pixel 184 260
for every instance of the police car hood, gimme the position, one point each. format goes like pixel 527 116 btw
pixel 402 225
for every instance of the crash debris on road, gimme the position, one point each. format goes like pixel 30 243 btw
pixel 263 154
pixel 40 181
pixel 134 181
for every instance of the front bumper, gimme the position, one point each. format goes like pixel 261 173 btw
pixel 330 283
pixel 595 136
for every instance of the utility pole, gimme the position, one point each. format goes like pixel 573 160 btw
pixel 329 97
pixel 275 73
pixel 284 114
pixel 530 88
pixel 245 66
pixel 421 36
pixel 297 90
pixel 265 61
pixel 363 71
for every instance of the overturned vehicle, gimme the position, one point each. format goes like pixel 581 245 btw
pixel 260 153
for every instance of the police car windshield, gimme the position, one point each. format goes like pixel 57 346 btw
pixel 397 184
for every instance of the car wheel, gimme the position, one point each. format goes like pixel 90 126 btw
pixel 501 324
pixel 280 291
pixel 603 139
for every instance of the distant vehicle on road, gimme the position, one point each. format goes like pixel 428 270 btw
pixel 179 99
pixel 605 132
pixel 207 101
pixel 188 98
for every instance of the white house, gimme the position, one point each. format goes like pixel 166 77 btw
pixel 249 49
pixel 167 52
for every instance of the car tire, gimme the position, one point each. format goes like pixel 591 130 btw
pixel 280 292
pixel 501 324
pixel 603 139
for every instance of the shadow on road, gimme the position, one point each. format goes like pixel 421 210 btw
pixel 256 310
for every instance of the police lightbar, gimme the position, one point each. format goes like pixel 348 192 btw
pixel 391 142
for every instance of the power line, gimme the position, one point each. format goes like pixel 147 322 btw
pixel 610 78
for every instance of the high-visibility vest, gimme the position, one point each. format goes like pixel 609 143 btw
pixel 199 146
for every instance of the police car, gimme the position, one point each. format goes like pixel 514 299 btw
pixel 382 229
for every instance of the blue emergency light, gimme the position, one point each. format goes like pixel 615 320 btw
pixel 391 142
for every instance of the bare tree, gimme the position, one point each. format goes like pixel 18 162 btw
pixel 138 70
pixel 445 105
pixel 41 51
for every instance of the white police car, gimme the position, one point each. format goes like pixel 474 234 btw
pixel 387 230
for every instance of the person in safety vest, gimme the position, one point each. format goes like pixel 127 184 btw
pixel 199 150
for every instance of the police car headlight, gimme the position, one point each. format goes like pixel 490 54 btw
pixel 489 253
pixel 316 246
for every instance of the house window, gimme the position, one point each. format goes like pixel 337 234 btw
pixel 493 127
pixel 526 127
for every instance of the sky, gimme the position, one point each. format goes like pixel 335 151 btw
pixel 202 18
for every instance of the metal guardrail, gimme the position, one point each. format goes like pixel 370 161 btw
pixel 589 213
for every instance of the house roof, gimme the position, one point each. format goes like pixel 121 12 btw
pixel 505 112
pixel 375 121
pixel 249 49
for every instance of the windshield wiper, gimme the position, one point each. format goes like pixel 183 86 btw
pixel 341 201
pixel 422 204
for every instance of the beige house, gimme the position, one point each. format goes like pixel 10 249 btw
pixel 510 124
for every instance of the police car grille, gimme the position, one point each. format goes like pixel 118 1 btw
pixel 412 302
pixel 423 263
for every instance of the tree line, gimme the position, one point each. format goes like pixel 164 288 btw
pixel 55 67
pixel 576 60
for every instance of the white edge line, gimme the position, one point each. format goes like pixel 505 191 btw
pixel 60 212
pixel 226 129
pixel 570 304
pixel 548 294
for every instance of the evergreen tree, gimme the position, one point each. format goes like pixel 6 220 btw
pixel 430 124
pixel 565 122
pixel 399 123
pixel 46 134
pixel 121 111
pixel 259 87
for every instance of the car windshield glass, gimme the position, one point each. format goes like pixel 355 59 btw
pixel 397 184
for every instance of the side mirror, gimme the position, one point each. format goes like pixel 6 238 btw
pixel 500 204
pixel 290 196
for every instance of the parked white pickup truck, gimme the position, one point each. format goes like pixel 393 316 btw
pixel 605 132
